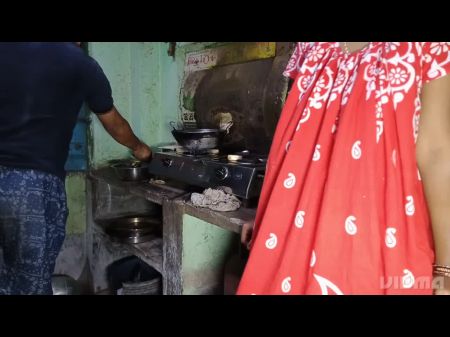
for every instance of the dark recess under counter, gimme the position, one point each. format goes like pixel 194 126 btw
pixel 175 204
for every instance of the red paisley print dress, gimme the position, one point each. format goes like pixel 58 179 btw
pixel 342 210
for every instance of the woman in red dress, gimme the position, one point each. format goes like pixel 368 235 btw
pixel 343 208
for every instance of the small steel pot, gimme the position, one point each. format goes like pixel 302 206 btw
pixel 131 171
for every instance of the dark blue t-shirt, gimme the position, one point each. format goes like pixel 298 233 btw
pixel 42 88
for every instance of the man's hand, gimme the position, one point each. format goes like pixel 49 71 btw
pixel 246 233
pixel 143 152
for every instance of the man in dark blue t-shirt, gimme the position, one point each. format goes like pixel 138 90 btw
pixel 42 89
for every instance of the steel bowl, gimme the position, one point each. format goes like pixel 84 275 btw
pixel 131 171
pixel 133 229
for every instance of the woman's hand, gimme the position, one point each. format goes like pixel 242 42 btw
pixel 246 233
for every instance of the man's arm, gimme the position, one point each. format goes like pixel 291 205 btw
pixel 433 159
pixel 120 130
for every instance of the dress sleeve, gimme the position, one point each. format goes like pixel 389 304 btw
pixel 435 60
pixel 296 60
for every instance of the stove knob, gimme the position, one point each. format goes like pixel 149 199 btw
pixel 167 162
pixel 221 173
pixel 238 176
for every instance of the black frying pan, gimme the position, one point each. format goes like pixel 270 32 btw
pixel 197 140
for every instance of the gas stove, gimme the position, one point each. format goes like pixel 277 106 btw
pixel 242 172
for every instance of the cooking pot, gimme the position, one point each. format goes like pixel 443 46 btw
pixel 133 170
pixel 197 140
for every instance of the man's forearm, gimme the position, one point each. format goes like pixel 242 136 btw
pixel 119 129
pixel 124 135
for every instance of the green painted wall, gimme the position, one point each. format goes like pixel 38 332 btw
pixel 205 250
pixel 76 202
pixel 144 84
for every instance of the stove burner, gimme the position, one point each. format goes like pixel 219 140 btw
pixel 234 157
pixel 213 152
pixel 240 158
pixel 188 153
pixel 249 161
pixel 245 158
